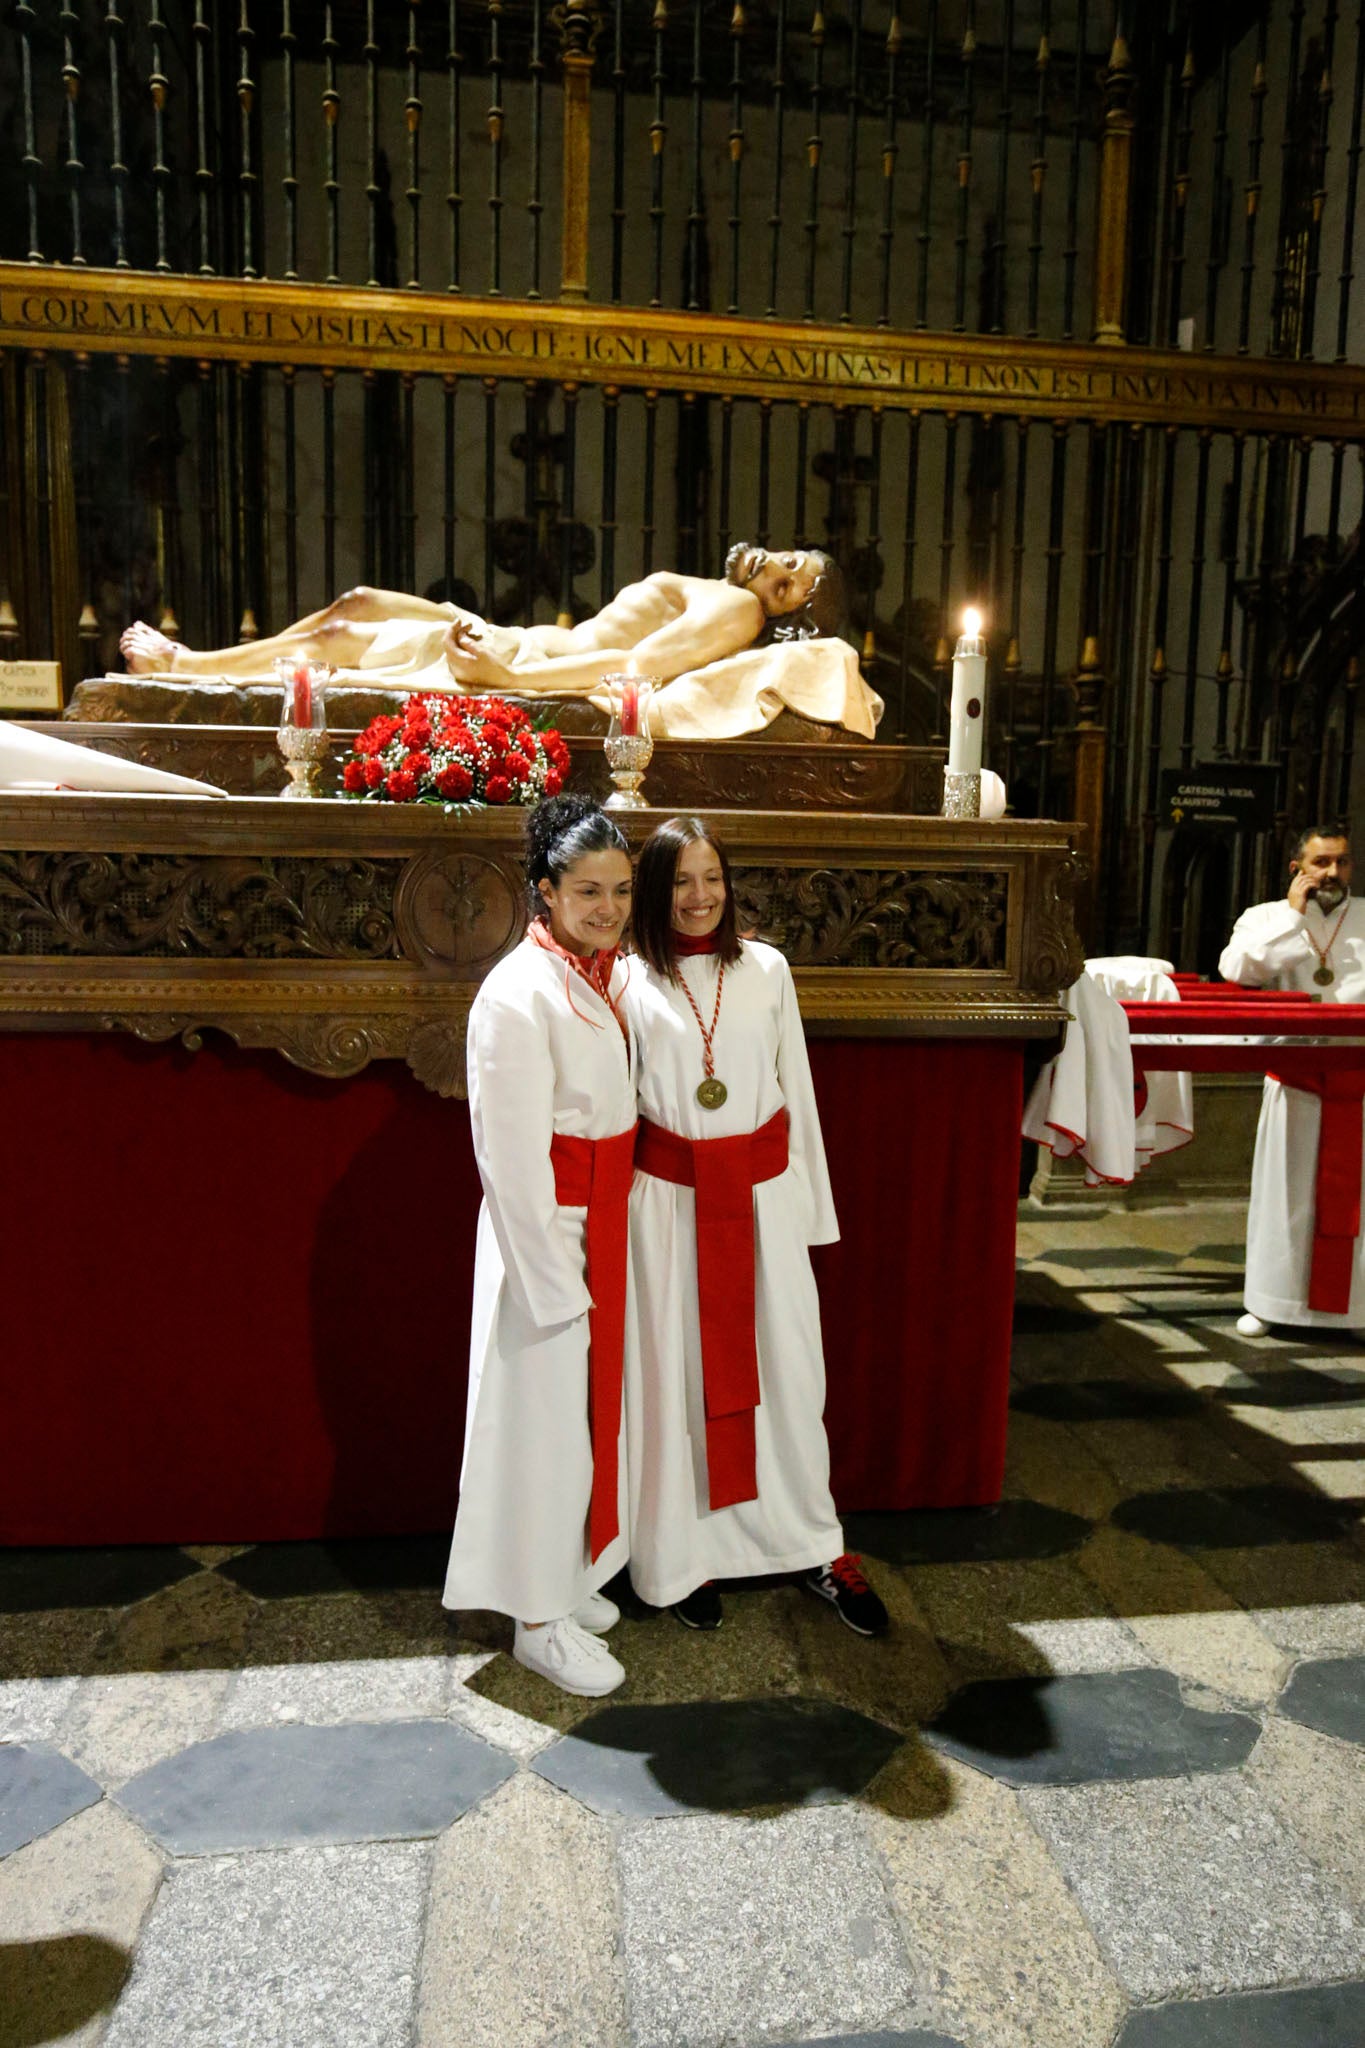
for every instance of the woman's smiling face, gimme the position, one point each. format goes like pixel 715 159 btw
pixel 590 905
pixel 698 890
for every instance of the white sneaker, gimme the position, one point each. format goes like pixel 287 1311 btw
pixel 569 1657
pixel 597 1614
pixel 1251 1326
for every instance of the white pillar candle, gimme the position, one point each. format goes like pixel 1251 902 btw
pixel 967 710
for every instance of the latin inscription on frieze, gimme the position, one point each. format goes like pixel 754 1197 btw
pixel 303 324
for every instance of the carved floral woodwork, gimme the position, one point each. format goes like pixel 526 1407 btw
pixel 338 933
pixel 760 773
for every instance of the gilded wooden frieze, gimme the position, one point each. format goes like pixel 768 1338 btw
pixel 337 933
pixel 272 321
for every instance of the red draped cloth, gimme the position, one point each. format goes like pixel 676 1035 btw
pixel 236 1296
pixel 595 1174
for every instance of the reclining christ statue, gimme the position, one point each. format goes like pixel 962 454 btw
pixel 730 653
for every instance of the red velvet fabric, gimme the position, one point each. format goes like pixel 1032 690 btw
pixel 236 1297
pixel 596 1174
pixel 917 1298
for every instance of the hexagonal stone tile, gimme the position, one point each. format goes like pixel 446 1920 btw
pixel 1328 1695
pixel 1293 1387
pixel 918 2039
pixel 718 1756
pixel 1231 1517
pixel 1105 1401
pixel 34 1580
pixel 361 1564
pixel 1097 1725
pixel 1014 1529
pixel 1048 1319
pixel 1134 1258
pixel 38 1790
pixel 361 1781
pixel 1307 2016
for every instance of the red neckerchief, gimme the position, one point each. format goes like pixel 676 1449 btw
pixel 595 968
pixel 684 946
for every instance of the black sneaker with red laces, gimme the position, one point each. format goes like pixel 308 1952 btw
pixel 848 1593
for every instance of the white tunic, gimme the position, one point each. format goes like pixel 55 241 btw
pixel 535 1067
pixel 1270 948
pixel 677 1540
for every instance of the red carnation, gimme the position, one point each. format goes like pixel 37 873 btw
pixel 528 743
pixel 373 772
pixel 401 786
pixel 554 782
pixel 417 763
pixel 354 777
pixel 497 789
pixel 454 782
pixel 517 767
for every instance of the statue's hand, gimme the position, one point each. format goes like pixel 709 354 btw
pixel 471 663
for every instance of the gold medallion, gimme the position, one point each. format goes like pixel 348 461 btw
pixel 711 1092
pixel 1324 975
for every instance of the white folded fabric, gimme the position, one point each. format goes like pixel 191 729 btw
pixel 35 761
pixel 1082 1102
pixel 1166 1120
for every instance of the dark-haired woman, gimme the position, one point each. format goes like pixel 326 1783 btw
pixel 725 1375
pixel 542 1516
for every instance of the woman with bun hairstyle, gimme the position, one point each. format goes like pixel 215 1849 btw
pixel 725 1374
pixel 542 1517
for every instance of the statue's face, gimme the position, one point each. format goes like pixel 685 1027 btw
pixel 781 583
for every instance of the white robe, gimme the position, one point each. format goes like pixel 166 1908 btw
pixel 1270 948
pixel 520 1543
pixel 677 1540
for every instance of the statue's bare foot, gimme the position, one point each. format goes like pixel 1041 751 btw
pixel 472 664
pixel 147 652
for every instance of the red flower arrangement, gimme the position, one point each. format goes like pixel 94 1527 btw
pixel 455 751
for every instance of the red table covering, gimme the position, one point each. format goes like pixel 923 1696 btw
pixel 235 1297
pixel 1319 1047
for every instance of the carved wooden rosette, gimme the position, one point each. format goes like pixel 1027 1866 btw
pixel 354 932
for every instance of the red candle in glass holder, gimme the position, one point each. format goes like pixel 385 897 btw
pixel 630 708
pixel 303 695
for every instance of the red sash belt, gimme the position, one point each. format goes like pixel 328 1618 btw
pixel 1336 1193
pixel 595 1174
pixel 724 1172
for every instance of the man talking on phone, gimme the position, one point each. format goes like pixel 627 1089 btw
pixel 1312 938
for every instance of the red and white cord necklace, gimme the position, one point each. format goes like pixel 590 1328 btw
pixel 710 1092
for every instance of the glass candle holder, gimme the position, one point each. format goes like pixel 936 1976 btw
pixel 303 736
pixel 628 746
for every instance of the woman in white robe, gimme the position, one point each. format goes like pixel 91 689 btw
pixel 549 1066
pixel 721 1485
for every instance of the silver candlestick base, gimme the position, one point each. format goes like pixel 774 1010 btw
pixel 961 794
pixel 304 750
pixel 628 756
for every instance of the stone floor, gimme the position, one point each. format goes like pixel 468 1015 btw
pixel 1103 1787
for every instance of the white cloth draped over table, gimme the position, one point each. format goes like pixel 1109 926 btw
pixel 1271 947
pixel 677 1540
pixel 40 762
pixel 1082 1102
pixel 538 1064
